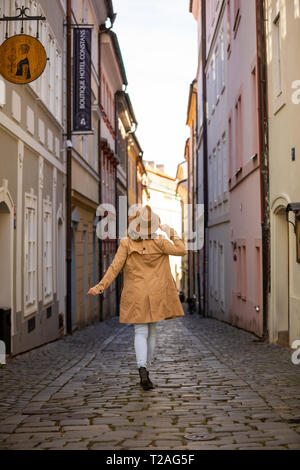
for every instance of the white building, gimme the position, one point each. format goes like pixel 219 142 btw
pixel 32 188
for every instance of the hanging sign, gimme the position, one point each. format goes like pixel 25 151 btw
pixel 22 59
pixel 82 80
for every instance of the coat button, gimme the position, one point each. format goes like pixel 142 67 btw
pixel 144 248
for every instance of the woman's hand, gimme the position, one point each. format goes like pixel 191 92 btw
pixel 95 291
pixel 167 229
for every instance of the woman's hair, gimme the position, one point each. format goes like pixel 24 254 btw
pixel 150 222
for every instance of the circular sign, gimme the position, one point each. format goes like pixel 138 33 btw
pixel 22 59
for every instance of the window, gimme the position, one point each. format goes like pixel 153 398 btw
pixel 225 167
pixel 102 89
pixel 258 277
pixel 222 57
pixel 237 15
pixel 216 271
pixel 30 254
pixel 47 251
pixel 220 170
pixel 129 173
pixel 211 263
pixel 212 87
pixel 133 168
pixel 239 272
pixel 228 26
pixel 58 87
pixel 93 142
pixel 49 85
pixel 278 54
pixel 2 93
pixel 52 83
pixel 217 73
pixel 238 135
pixel 85 147
pixel 254 114
pixel 107 101
pixel 221 275
pixel 210 183
pixel 44 79
pixel 242 270
pixel 230 156
pixel 208 97
pixel 215 177
pixel 214 78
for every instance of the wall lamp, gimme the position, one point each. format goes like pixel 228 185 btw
pixel 295 207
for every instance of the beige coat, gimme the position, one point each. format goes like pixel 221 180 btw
pixel 149 291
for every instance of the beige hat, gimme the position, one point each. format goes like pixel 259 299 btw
pixel 147 224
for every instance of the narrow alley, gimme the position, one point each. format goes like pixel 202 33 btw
pixel 83 391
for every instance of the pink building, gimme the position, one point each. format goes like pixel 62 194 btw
pixel 244 166
pixel 229 153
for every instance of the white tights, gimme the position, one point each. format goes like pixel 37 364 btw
pixel 144 343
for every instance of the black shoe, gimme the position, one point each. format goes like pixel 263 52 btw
pixel 151 384
pixel 145 383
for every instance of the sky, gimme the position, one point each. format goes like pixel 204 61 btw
pixel 158 41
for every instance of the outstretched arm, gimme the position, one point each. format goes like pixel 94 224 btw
pixel 113 270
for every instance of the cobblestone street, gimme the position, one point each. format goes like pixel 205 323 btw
pixel 83 392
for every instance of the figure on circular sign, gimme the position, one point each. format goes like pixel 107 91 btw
pixel 22 59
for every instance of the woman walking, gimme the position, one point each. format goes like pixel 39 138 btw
pixel 149 291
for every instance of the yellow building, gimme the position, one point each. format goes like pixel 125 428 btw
pixel 134 168
pixel 86 181
pixel 283 67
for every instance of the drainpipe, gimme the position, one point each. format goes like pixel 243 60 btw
pixel 205 179
pixel 100 175
pixel 263 155
pixel 69 173
pixel 131 131
pixel 116 200
pixel 197 200
pixel 188 199
pixel 193 197
pixel 139 159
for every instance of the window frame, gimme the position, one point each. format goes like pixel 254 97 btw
pixel 30 232
pixel 237 16
pixel 47 230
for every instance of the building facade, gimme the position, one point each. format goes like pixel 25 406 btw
pixel 113 79
pixel 42 297
pixel 218 243
pixel 32 188
pixel 283 67
pixel 86 175
pixel 229 152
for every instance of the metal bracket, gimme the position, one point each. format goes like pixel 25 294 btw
pixel 22 17
pixel 292 207
pixel 83 25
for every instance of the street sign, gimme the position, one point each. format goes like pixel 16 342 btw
pixel 22 59
pixel 82 120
